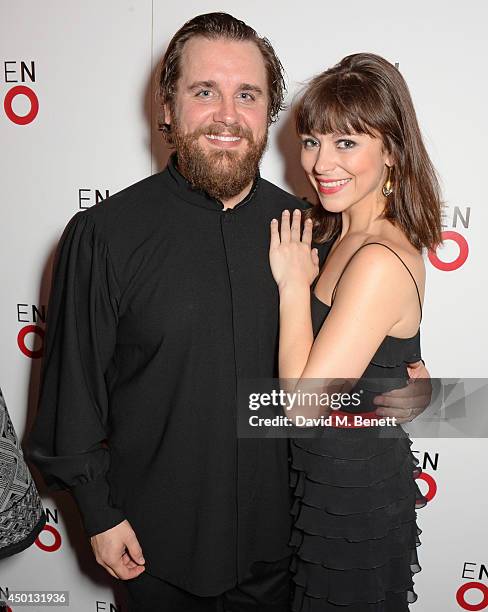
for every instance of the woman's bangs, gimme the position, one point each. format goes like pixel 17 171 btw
pixel 333 110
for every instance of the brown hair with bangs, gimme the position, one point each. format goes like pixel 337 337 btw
pixel 366 94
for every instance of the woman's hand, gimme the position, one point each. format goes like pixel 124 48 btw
pixel 292 259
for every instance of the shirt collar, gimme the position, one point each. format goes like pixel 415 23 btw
pixel 199 197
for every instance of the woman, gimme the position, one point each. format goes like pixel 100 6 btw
pixel 355 532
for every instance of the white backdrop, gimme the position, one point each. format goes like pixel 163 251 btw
pixel 90 67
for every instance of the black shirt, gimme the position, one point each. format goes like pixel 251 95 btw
pixel 161 301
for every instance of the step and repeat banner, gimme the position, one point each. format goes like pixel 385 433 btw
pixel 78 122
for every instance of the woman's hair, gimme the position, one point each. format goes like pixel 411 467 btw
pixel 366 94
pixel 214 26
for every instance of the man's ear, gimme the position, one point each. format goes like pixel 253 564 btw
pixel 168 119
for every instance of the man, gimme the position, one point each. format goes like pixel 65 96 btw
pixel 162 300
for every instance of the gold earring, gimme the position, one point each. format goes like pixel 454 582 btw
pixel 388 186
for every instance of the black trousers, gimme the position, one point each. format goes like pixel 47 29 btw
pixel 266 589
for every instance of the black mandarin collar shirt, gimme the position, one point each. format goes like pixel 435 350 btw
pixel 161 300
pixel 196 196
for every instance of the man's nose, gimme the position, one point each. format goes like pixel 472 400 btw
pixel 226 111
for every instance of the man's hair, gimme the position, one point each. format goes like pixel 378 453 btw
pixel 366 94
pixel 214 26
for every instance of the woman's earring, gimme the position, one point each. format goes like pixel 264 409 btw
pixel 388 186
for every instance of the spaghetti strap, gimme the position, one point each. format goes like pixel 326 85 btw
pixel 394 253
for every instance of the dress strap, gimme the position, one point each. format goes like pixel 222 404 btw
pixel 394 253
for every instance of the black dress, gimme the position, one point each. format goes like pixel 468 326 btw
pixel 355 532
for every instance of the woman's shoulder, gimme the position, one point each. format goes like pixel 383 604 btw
pixel 384 257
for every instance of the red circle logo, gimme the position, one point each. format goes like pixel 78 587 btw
pixel 448 266
pixel 30 329
pixel 467 586
pixel 19 90
pixel 49 547
pixel 431 483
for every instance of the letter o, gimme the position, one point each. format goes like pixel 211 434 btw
pixel 49 547
pixel 432 490
pixel 34 102
pixel 468 586
pixel 30 329
pixel 460 259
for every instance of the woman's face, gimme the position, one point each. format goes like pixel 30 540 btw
pixel 345 169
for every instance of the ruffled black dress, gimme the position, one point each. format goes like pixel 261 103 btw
pixel 355 532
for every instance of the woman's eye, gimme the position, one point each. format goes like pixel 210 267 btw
pixel 309 143
pixel 347 144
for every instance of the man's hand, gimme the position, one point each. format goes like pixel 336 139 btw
pixel 118 551
pixel 407 403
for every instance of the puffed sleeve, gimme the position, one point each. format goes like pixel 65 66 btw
pixel 68 439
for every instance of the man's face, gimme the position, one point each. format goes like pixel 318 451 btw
pixel 219 115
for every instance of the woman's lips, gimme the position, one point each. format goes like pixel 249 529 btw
pixel 335 186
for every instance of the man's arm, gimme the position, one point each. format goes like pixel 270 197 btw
pixel 68 441
pixel 409 402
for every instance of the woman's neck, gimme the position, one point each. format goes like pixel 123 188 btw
pixel 364 217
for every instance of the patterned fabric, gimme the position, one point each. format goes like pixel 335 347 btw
pixel 21 513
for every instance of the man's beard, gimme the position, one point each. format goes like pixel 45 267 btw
pixel 221 174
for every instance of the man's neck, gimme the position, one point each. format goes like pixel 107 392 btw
pixel 229 203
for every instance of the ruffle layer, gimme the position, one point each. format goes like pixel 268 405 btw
pixel 342 554
pixel 355 532
pixel 356 586
pixel 346 500
pixel 393 602
pixel 353 527
pixel 349 471
pixel 353 444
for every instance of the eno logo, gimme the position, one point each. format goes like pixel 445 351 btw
pixel 473 595
pixel 459 260
pixel 430 461
pixel 472 590
pixel 455 250
pixel 21 104
pixel 30 338
pixel 49 539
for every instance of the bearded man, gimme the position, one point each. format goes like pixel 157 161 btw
pixel 162 300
